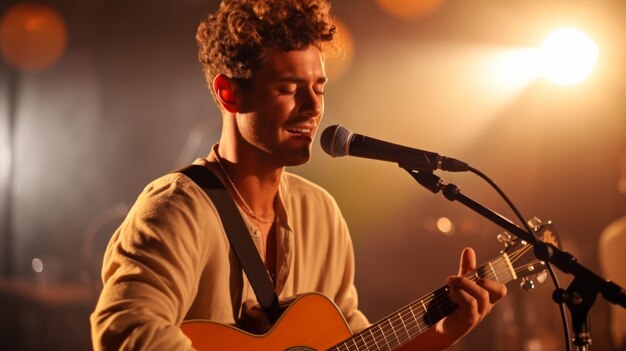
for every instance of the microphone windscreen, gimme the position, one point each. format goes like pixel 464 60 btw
pixel 335 140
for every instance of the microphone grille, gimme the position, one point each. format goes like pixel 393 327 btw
pixel 335 140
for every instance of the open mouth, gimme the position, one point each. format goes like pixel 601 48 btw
pixel 300 131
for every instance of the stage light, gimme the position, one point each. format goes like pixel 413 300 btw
pixel 568 56
pixel 512 70
pixel 409 9
pixel 32 36
pixel 445 225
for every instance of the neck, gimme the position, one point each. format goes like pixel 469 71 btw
pixel 257 181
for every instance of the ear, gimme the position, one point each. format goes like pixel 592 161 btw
pixel 225 89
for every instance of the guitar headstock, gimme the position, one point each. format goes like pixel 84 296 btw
pixel 526 265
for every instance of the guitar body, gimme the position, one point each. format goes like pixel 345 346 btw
pixel 314 323
pixel 311 322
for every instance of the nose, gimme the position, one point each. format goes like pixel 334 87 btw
pixel 311 103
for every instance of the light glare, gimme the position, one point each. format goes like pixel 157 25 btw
pixel 568 56
pixel 512 70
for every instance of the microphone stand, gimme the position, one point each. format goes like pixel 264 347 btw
pixel 582 291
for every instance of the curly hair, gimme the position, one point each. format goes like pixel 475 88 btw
pixel 236 39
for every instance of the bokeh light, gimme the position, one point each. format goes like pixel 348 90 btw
pixel 409 9
pixel 339 63
pixel 445 225
pixel 37 265
pixel 32 36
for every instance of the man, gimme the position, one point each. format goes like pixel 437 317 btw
pixel 170 260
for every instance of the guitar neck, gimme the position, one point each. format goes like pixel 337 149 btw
pixel 404 325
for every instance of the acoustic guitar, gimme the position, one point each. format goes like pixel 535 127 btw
pixel 314 322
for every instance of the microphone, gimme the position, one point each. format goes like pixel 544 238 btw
pixel 338 141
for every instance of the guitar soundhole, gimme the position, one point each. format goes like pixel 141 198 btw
pixel 300 348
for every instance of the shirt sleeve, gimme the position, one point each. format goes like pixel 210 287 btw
pixel 150 271
pixel 347 297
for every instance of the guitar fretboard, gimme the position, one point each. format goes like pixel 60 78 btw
pixel 404 325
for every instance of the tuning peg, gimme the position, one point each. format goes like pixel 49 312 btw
pixel 527 284
pixel 535 223
pixel 542 277
pixel 504 238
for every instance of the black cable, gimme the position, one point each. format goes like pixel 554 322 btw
pixel 555 280
pixel 503 195
pixel 564 320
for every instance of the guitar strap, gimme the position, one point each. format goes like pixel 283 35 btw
pixel 239 238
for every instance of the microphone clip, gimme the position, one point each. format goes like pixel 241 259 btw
pixel 427 179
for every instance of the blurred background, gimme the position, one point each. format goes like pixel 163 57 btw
pixel 97 98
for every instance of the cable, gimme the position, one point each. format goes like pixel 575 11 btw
pixel 553 276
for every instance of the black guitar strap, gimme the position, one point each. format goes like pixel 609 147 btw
pixel 239 238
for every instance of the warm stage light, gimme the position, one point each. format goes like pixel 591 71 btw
pixel 445 225
pixel 32 36
pixel 568 56
pixel 410 9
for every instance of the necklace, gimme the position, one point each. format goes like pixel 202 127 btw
pixel 247 207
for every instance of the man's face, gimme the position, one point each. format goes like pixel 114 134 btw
pixel 283 106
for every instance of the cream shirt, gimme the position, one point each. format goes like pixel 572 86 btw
pixel 170 260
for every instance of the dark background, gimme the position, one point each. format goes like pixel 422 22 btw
pixel 127 103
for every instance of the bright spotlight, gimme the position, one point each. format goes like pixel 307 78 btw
pixel 445 225
pixel 568 56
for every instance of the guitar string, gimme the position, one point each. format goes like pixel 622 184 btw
pixel 414 322
pixel 446 306
pixel 406 336
pixel 514 257
pixel 400 317
pixel 409 334
pixel 394 318
pixel 443 304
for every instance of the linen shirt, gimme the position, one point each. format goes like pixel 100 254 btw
pixel 170 260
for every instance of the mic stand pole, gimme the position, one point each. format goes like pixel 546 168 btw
pixel 582 291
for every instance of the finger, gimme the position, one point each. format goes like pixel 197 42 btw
pixel 468 261
pixel 496 290
pixel 467 307
pixel 471 295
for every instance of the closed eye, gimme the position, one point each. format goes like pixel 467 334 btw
pixel 319 89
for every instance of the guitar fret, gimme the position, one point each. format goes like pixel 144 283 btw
pixel 363 339
pixel 355 345
pixel 494 272
pixel 380 326
pixel 425 309
pixel 393 329
pixel 403 325
pixel 416 320
pixel 374 338
pixel 405 333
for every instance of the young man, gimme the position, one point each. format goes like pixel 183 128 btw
pixel 170 260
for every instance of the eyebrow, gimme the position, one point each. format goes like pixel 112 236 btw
pixel 293 79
